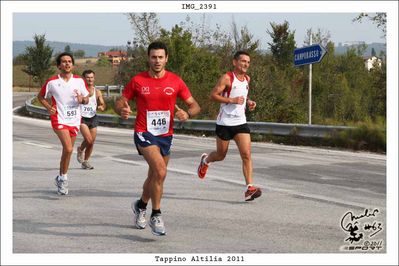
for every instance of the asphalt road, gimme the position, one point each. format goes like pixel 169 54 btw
pixel 308 194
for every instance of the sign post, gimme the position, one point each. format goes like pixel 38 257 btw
pixel 307 56
pixel 310 86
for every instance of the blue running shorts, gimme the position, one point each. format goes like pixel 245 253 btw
pixel 145 139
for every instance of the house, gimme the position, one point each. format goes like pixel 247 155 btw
pixel 371 62
pixel 115 57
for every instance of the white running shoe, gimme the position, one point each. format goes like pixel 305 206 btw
pixel 87 165
pixel 138 215
pixel 80 155
pixel 62 186
pixel 157 225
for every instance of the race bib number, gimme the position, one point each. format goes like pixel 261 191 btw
pixel 158 122
pixel 70 112
pixel 88 111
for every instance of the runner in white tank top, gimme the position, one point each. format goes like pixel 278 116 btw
pixel 67 91
pixel 88 128
pixel 89 110
pixel 232 114
pixel 231 92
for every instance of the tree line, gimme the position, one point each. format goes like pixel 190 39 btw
pixel 343 90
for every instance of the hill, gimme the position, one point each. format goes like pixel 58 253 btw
pixel 378 47
pixel 91 50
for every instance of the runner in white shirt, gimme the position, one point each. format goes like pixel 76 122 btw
pixel 231 92
pixel 89 124
pixel 67 92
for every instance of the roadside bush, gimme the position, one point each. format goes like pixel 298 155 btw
pixel 366 136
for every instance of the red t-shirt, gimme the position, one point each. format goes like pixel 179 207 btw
pixel 155 101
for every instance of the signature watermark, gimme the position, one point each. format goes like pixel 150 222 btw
pixel 363 230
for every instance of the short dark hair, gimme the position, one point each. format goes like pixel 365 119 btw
pixel 156 46
pixel 87 71
pixel 239 53
pixel 58 60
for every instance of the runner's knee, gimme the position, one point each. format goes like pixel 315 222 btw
pixel 89 141
pixel 68 149
pixel 160 174
pixel 246 156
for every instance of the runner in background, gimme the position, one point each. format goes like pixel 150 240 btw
pixel 231 92
pixel 89 124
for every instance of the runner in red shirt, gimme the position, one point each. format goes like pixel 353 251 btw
pixel 155 92
pixel 67 91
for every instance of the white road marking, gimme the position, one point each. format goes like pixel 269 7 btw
pixel 38 145
pixel 268 188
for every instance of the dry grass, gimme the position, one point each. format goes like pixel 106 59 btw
pixel 25 89
pixel 104 75
pixel 20 78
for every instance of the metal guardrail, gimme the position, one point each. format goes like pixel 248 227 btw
pixel 108 88
pixel 279 129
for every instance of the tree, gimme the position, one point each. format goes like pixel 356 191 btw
pixel 103 61
pixel 19 60
pixel 373 52
pixel 67 49
pixel 379 18
pixel 38 60
pixel 203 36
pixel 243 39
pixel 180 49
pixel 79 53
pixel 319 36
pixel 146 27
pixel 283 43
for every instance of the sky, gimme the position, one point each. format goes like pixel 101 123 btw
pixel 114 28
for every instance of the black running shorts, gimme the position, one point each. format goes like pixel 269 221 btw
pixel 228 132
pixel 91 122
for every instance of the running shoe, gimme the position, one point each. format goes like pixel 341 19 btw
pixel 138 215
pixel 203 167
pixel 80 155
pixel 87 165
pixel 62 186
pixel 252 193
pixel 157 225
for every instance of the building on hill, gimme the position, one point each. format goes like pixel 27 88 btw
pixel 115 57
pixel 351 43
pixel 371 62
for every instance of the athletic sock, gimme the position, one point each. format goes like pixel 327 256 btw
pixel 64 177
pixel 141 204
pixel 249 185
pixel 155 212
pixel 204 160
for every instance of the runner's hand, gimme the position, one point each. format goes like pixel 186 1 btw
pixel 181 114
pixel 51 110
pixel 79 97
pixel 238 100
pixel 125 111
pixel 251 105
